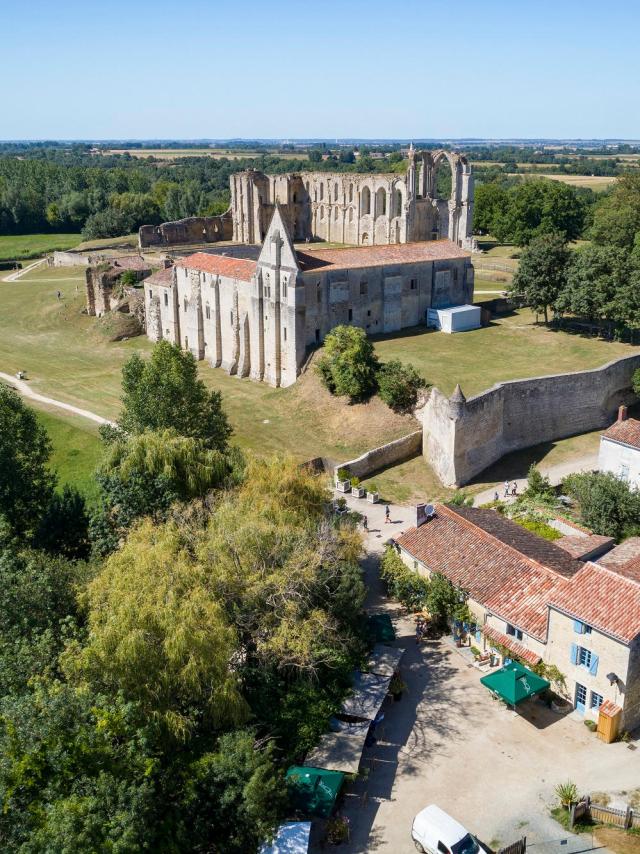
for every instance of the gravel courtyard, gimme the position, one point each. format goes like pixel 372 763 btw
pixel 448 742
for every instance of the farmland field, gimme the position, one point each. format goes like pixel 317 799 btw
pixel 216 153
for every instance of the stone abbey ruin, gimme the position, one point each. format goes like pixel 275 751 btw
pixel 339 207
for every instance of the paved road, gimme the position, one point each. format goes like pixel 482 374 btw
pixel 555 473
pixel 25 390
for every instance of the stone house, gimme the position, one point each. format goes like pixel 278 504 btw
pixel 535 599
pixel 620 449
pixel 256 311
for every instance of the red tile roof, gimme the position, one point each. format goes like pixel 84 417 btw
pixel 627 552
pixel 163 278
pixel 511 644
pixel 374 256
pixel 581 547
pixel 499 564
pixel 604 599
pixel 627 432
pixel 221 265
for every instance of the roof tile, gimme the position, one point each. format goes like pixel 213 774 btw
pixel 221 265
pixel 351 257
pixel 627 432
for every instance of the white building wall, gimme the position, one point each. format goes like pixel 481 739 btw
pixel 620 460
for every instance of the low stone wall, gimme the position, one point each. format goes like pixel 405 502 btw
pixel 464 437
pixel 386 455
pixel 72 259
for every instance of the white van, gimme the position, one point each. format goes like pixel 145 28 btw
pixel 435 832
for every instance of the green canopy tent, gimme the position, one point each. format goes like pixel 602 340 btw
pixel 514 683
pixel 380 628
pixel 313 791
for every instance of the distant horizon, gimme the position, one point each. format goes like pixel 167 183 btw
pixel 347 140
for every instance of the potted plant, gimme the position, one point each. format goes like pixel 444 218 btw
pixel 343 484
pixel 341 506
pixel 356 488
pixel 396 687
pixel 337 830
pixel 372 494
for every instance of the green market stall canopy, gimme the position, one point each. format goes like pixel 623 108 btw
pixel 514 683
pixel 312 791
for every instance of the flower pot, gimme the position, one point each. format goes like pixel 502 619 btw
pixel 358 491
pixel 343 486
pixel 373 497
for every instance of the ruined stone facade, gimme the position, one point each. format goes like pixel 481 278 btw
pixel 193 229
pixel 362 210
pixel 102 282
pixel 257 311
pixel 463 437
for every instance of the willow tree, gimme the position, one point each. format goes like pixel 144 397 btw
pixel 157 633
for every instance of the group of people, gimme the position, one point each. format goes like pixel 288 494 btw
pixel 509 489
pixel 387 519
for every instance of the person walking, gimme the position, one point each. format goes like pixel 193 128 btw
pixel 506 489
pixel 514 490
pixel 365 523
pixel 387 514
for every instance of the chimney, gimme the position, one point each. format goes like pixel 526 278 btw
pixel 622 413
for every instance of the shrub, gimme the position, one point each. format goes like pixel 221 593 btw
pixel 607 504
pixel 538 486
pixel 538 526
pixel 406 586
pixel 349 364
pixel 398 385
pixel 460 499
pixel 567 793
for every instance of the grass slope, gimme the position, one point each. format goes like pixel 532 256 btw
pixel 76 449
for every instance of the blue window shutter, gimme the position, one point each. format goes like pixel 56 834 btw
pixel 578 627
pixel 574 653
pixel 593 667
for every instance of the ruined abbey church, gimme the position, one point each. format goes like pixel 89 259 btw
pixel 257 306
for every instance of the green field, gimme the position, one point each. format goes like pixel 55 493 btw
pixel 23 246
pixel 76 449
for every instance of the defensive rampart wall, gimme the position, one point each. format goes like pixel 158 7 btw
pixel 462 437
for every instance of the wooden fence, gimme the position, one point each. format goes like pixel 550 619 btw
pixel 518 847
pixel 604 815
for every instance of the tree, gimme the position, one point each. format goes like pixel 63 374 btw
pixel 315 156
pixel 542 273
pixel 536 207
pixel 26 484
pixel 158 634
pixel 538 486
pixel 635 382
pixel 349 364
pixel 597 276
pixel 490 200
pixel 165 392
pixel 616 218
pixel 399 384
pixel 347 156
pixel 64 526
pixel 445 601
pixel 403 584
pixel 607 504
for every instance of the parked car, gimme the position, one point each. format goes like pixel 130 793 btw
pixel 435 832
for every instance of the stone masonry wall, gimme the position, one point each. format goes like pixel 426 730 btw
pixel 195 229
pixel 386 455
pixel 463 437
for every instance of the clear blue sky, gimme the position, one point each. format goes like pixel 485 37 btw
pixel 329 68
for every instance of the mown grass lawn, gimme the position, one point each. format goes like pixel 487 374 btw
pixel 24 246
pixel 77 449
pixel 512 347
